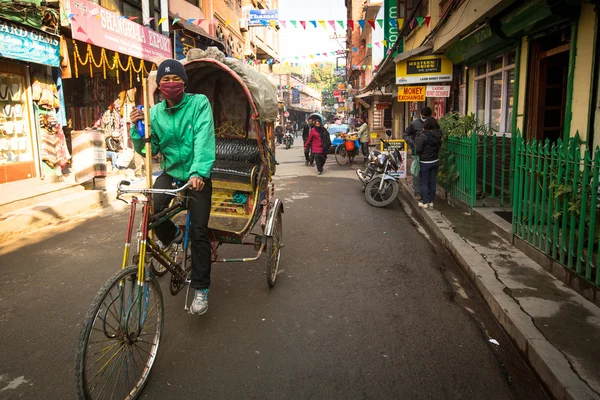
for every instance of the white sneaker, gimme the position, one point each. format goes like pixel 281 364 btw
pixel 200 302
pixel 422 205
pixel 430 205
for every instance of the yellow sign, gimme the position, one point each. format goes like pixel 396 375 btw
pixel 411 93
pixel 374 135
pixel 423 70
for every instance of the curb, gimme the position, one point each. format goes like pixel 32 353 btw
pixel 547 361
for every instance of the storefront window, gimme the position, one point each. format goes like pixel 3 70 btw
pixel 15 142
pixel 480 110
pixel 494 92
pixel 510 98
pixel 496 106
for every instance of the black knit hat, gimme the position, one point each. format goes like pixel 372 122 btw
pixel 171 67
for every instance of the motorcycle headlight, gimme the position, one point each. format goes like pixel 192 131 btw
pixel 381 159
pixel 373 156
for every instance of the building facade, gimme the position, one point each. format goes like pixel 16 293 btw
pixel 262 41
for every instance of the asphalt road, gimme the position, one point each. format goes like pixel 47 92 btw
pixel 366 306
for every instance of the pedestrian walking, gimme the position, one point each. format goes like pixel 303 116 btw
pixel 428 147
pixel 315 143
pixel 305 132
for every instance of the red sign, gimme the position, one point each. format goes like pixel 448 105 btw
pixel 100 27
pixel 439 107
pixel 336 93
pixel 286 114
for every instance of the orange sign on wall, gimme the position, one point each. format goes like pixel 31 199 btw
pixel 411 93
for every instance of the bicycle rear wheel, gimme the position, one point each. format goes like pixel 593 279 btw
pixel 120 337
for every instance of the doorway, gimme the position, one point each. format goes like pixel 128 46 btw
pixel 548 72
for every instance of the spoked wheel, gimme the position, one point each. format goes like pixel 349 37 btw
pixel 273 250
pixel 120 337
pixel 381 198
pixel 341 155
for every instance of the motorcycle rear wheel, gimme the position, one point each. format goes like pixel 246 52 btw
pixel 387 195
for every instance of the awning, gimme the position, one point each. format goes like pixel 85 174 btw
pixel 204 40
pixel 414 52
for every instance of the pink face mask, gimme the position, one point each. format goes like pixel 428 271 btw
pixel 172 90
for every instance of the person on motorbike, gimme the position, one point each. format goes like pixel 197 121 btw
pixel 183 132
pixel 289 131
pixel 279 133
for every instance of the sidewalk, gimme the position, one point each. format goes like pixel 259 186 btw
pixel 556 329
pixel 34 203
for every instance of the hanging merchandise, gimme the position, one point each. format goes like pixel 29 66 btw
pixel 15 143
pixel 53 149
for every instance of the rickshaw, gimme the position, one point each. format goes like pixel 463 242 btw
pixel 122 329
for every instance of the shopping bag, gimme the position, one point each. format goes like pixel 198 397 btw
pixel 415 167
pixel 124 158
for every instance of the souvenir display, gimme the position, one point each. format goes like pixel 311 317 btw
pixel 14 128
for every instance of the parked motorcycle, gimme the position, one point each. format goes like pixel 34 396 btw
pixel 380 176
pixel 288 139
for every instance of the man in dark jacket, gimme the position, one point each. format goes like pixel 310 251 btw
pixel 410 135
pixel 428 147
pixel 305 131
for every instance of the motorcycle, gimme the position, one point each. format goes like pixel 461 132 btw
pixel 288 139
pixel 380 176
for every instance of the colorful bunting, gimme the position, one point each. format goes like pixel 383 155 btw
pixel 227 22
pixel 420 21
pixel 314 23
pixel 370 45
pixel 200 21
pixel 341 22
pixel 394 23
pixel 303 23
pixel 380 23
pixel 293 22
pixel 378 44
pixel 372 23
pixel 147 20
pixel 400 23
pixel 427 20
pixel 132 18
pixel 354 49
pixel 190 21
pixel 411 24
pixel 282 23
pixel 176 20
pixel 351 24
pixel 384 42
pixel 263 22
pixel 160 21
pixel 322 23
pixel 273 23
pixel 361 22
pixel 332 23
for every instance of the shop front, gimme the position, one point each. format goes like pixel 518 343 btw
pixel 26 54
pixel 423 82
pixel 109 55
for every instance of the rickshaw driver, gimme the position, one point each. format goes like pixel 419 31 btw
pixel 183 131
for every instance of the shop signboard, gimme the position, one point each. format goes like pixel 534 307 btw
pixel 382 106
pixel 438 91
pixel 98 26
pixel 256 17
pixel 423 70
pixel 411 93
pixel 401 146
pixel 390 34
pixel 28 44
pixel 295 96
pixel 439 107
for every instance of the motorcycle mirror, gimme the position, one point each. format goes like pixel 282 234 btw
pixel 388 132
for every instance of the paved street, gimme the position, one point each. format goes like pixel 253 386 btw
pixel 366 306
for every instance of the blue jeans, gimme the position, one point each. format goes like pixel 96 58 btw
pixel 113 157
pixel 427 177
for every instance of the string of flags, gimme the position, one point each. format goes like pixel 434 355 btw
pixel 298 24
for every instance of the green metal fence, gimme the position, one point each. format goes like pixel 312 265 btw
pixel 476 168
pixel 556 201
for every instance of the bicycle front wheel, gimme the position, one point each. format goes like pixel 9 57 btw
pixel 120 337
pixel 341 154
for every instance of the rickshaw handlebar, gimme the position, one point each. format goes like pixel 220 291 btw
pixel 121 189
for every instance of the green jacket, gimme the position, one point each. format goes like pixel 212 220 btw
pixel 184 134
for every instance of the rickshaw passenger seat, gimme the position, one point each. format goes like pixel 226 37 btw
pixel 236 160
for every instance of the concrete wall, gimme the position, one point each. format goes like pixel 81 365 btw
pixel 583 74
